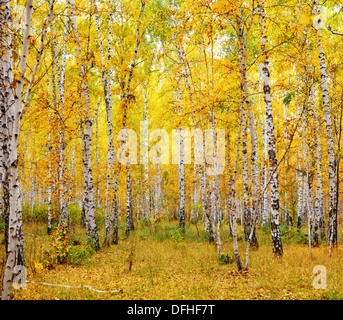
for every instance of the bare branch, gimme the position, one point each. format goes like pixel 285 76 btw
pixel 334 32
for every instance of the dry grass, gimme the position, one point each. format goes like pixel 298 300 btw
pixel 165 266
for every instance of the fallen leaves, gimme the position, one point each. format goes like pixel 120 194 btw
pixel 163 271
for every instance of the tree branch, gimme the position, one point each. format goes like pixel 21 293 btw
pixel 334 32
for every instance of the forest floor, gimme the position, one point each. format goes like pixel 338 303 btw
pixel 166 265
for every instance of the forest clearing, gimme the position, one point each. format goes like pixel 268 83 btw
pixel 171 149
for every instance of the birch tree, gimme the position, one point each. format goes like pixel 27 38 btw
pixel 125 104
pixel 275 206
pixel 11 112
pixel 86 135
pixel 106 83
pixel 247 116
pixel 181 161
pixel 332 227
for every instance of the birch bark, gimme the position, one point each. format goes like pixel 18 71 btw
pixel 146 156
pixel 265 163
pixel 125 103
pixel 11 104
pixel 49 188
pixel 317 150
pixel 180 131
pixel 247 115
pixel 332 227
pixel 275 206
pixel 233 196
pixel 61 92
pixel 286 160
pixel 106 82
pixel 91 227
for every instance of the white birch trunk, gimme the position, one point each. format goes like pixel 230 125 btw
pixel 129 213
pixel 106 81
pixel 12 104
pixel 264 214
pixel 332 227
pixel 49 155
pixel 91 227
pixel 180 132
pixel 275 206
pixel 233 196
pixel 97 157
pixel 146 156
pixel 62 165
pixel 248 210
pixel 300 191
pixel 286 160
pixel 125 104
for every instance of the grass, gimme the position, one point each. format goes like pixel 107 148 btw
pixel 166 264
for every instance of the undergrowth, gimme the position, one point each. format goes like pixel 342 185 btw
pixel 162 262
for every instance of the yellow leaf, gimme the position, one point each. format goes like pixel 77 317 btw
pixel 304 19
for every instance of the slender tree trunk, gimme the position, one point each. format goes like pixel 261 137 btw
pixel 146 157
pixel 97 157
pixel 91 227
pixel 180 131
pixel 115 213
pixel 309 204
pixel 332 227
pixel 300 192
pixel 246 202
pixel 125 104
pixel 62 144
pixel 216 182
pixel 275 206
pixel 129 216
pixel 158 191
pixel 49 166
pixel 247 113
pixel 234 200
pixel 286 160
pixel 182 194
pixel 106 81
pixel 1 175
pixel 12 108
pixel 265 164
pixel 207 207
pixel 317 157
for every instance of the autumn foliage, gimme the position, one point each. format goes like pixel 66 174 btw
pixel 253 225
